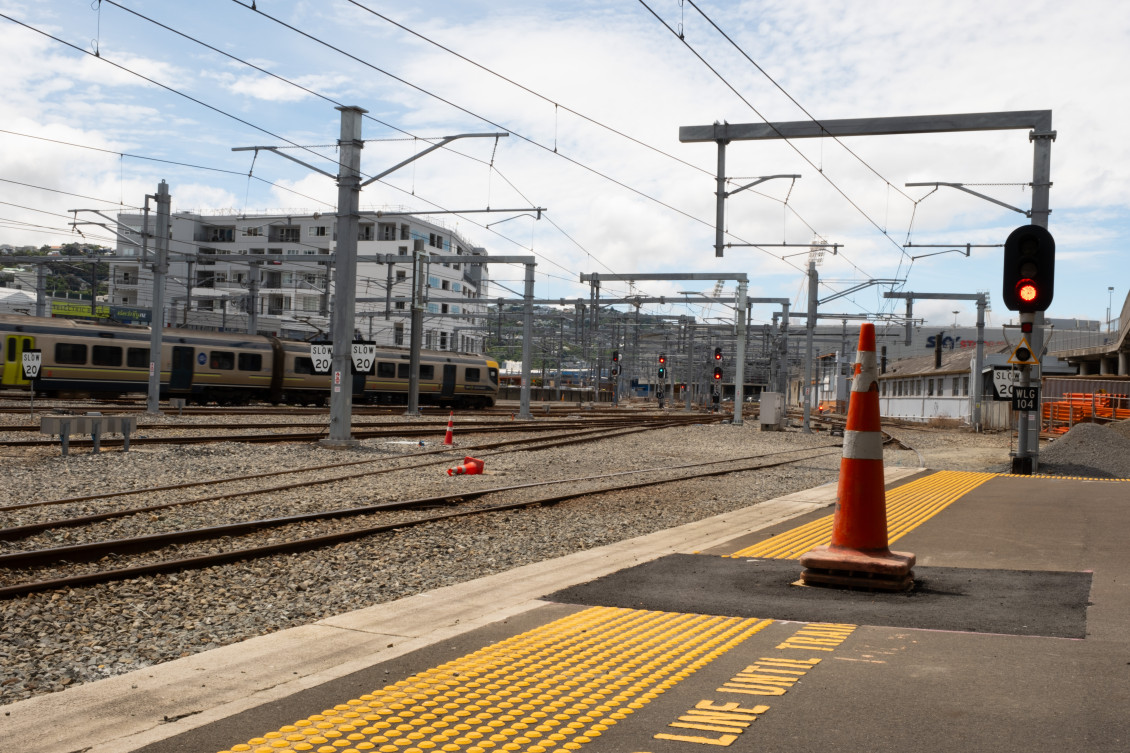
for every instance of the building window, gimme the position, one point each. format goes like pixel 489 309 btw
pixel 443 339
pixel 400 305
pixel 219 234
pixel 401 275
pixel 319 231
pixel 405 234
pixel 386 231
pixel 443 308
pixel 252 232
pixel 435 240
pixel 398 333
pixel 402 251
pixel 965 385
pixel 288 234
pixel 445 285
pixel 930 387
pixel 365 231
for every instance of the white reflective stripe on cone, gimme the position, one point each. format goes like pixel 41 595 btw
pixel 863 445
pixel 868 372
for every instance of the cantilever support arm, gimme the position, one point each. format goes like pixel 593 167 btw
pixel 446 140
pixel 762 179
pixel 961 187
pixel 277 151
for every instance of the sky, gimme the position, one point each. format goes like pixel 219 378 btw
pixel 103 99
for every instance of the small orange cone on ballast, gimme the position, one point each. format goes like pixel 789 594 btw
pixel 448 438
pixel 470 467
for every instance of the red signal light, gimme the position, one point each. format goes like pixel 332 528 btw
pixel 1027 291
pixel 718 374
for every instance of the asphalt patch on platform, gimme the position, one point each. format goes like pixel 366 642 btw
pixel 1012 602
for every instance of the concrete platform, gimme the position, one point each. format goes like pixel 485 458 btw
pixel 669 658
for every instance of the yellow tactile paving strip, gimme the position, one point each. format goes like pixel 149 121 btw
pixel 908 506
pixel 549 690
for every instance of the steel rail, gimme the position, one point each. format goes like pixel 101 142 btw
pixel 28 529
pixel 340 536
pixel 506 427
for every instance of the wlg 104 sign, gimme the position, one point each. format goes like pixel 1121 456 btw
pixel 364 353
pixel 321 354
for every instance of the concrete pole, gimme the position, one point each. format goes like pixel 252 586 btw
pixel 388 293
pixel 1041 189
pixel 979 363
pixel 345 293
pixel 739 369
pixel 157 318
pixel 254 272
pixel 527 344
pixel 41 290
pixel 720 209
pixel 560 353
pixel 783 373
pixel 690 365
pixel 806 392
pixel 416 337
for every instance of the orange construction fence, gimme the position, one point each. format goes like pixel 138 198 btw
pixel 1083 407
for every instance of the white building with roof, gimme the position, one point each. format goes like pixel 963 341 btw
pixel 295 281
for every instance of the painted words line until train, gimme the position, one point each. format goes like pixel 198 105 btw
pixel 769 676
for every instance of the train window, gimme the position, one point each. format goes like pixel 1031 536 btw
pixel 106 355
pixel 401 371
pixel 70 353
pixel 250 362
pixel 471 375
pixel 137 357
pixel 303 365
pixel 427 372
pixel 386 370
pixel 493 374
pixel 222 359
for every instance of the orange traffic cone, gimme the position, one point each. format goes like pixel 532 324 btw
pixel 447 439
pixel 470 467
pixel 858 556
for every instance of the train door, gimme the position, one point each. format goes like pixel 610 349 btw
pixel 14 347
pixel 448 389
pixel 183 364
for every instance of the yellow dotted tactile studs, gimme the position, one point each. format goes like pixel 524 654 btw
pixel 908 506
pixel 565 683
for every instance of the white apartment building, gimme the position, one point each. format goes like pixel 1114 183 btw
pixel 293 292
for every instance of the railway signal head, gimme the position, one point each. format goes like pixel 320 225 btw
pixel 615 356
pixel 662 372
pixel 1029 269
pixel 662 358
pixel 717 354
pixel 717 373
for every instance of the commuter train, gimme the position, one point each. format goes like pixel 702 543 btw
pixel 99 360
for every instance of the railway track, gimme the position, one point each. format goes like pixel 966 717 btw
pixel 50 568
pixel 270 432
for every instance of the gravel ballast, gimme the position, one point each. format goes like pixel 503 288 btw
pixel 54 639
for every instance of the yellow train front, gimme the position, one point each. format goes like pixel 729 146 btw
pixel 98 360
